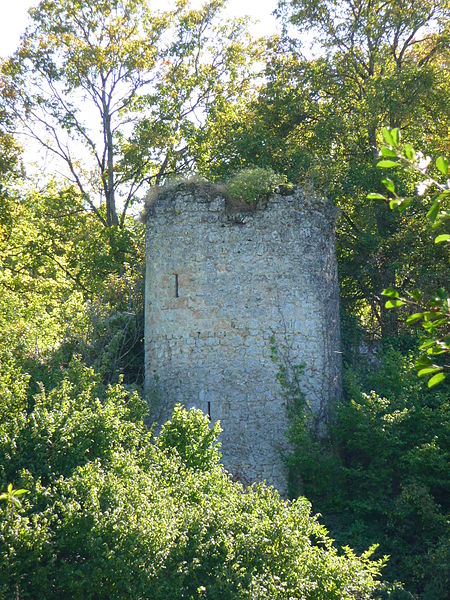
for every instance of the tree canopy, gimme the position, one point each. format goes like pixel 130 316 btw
pixel 117 91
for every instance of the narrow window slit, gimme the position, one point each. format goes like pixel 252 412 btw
pixel 177 295
pixel 209 410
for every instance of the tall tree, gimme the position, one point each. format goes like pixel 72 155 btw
pixel 117 91
pixel 380 64
pixel 377 47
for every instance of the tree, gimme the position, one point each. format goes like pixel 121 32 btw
pixel 433 313
pixel 380 64
pixel 113 512
pixel 117 92
pixel 374 41
pixel 384 61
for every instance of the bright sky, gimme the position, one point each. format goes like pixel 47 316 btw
pixel 13 18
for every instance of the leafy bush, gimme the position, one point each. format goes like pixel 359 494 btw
pixel 433 313
pixel 251 185
pixel 114 513
pixel 383 474
pixel 70 286
pixel 191 437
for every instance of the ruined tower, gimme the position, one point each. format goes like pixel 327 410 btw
pixel 224 286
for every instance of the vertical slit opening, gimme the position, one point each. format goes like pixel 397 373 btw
pixel 209 410
pixel 177 295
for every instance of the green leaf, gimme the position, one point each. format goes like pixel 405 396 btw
pixel 414 318
pixel 444 237
pixel 387 164
pixel 442 216
pixel 395 203
pixel 436 379
pixel 409 152
pixel 442 165
pixel 394 303
pixel 375 196
pixel 440 322
pixel 388 184
pixel 429 315
pixel 429 371
pixel 416 295
pixel 387 136
pixel 387 152
pixel 435 351
pixel 390 293
pixel 403 203
pixel 395 134
pixel 423 361
pixel 432 213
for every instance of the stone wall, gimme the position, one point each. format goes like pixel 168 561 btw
pixel 220 284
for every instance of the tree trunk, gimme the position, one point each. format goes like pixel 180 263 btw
pixel 111 211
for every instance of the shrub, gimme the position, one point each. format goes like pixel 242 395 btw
pixel 251 185
pixel 113 513
pixel 382 476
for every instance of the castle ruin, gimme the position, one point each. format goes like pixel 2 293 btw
pixel 225 285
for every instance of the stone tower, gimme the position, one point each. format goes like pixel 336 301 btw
pixel 225 284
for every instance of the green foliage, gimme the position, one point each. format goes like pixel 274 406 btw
pixel 382 476
pixel 190 435
pixel 433 313
pixel 253 184
pixel 150 78
pixel 375 64
pixel 67 289
pixel 113 513
pixel 11 496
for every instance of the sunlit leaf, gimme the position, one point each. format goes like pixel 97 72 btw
pixel 387 164
pixel 394 303
pixel 442 165
pixel 432 213
pixel 409 152
pixel 427 344
pixel 388 184
pixel 395 134
pixel 414 318
pixel 387 152
pixel 390 292
pixel 428 371
pixel 436 379
pixel 444 237
pixel 387 136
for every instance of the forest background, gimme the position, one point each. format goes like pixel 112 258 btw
pixel 119 97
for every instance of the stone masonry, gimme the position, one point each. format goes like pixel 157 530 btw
pixel 222 285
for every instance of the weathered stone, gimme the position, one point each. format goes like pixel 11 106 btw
pixel 218 293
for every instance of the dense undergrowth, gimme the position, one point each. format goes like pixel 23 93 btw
pixel 114 512
pixel 382 475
